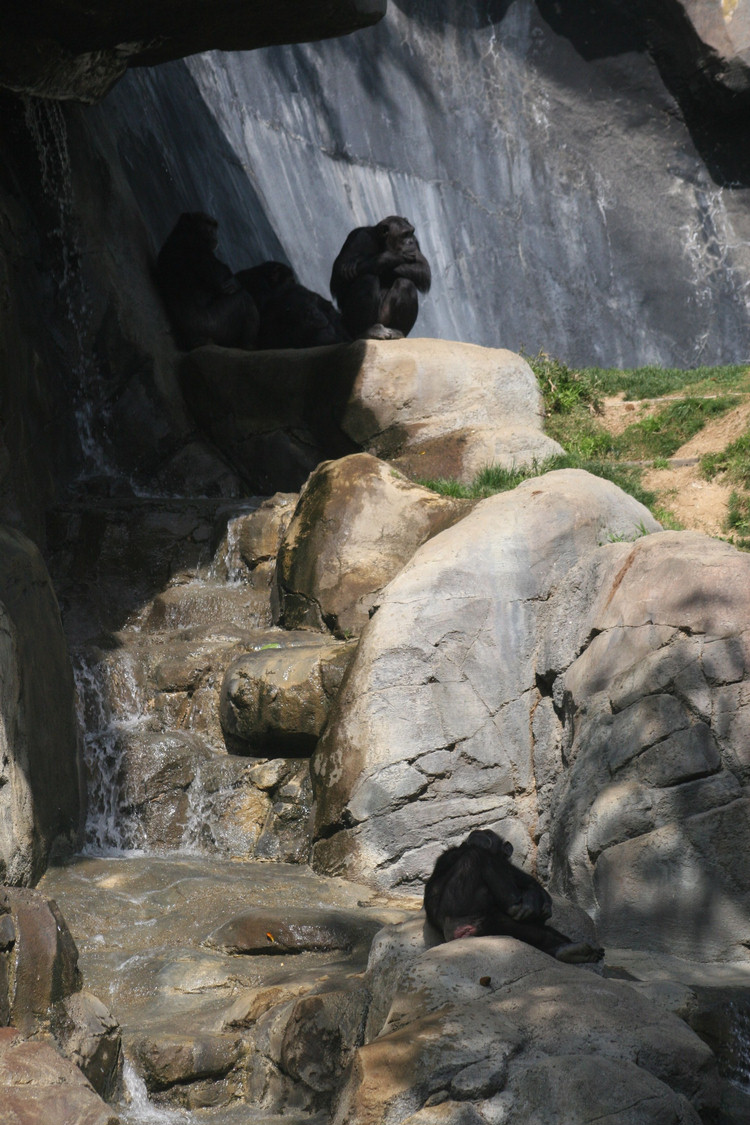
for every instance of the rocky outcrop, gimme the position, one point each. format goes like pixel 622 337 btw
pixel 40 992
pixel 41 801
pixel 38 1084
pixel 441 720
pixel 277 700
pixel 491 1030
pixel 432 407
pixel 651 820
pixel 58 51
pixel 587 696
pixel 440 409
pixel 356 524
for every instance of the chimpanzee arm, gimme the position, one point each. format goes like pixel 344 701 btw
pixel 215 275
pixel 499 877
pixel 416 270
pixel 535 901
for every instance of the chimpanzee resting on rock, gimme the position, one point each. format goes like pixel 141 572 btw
pixel 290 315
pixel 474 891
pixel 206 305
pixel 375 279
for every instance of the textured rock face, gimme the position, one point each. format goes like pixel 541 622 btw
pixel 651 815
pixel 40 797
pixel 432 407
pixel 38 1084
pixel 56 50
pixel 526 135
pixel 527 128
pixel 438 722
pixel 357 523
pixel 587 697
pixel 278 701
pixel 439 409
pixel 492 1030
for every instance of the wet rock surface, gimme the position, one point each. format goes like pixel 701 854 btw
pixel 178 949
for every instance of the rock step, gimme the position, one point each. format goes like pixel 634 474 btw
pixel 110 558
pixel 195 997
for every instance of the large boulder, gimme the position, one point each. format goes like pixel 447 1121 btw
pixel 433 407
pixel 441 725
pixel 277 700
pixel 436 408
pixel 41 800
pixel 649 660
pixel 356 524
pixel 489 1029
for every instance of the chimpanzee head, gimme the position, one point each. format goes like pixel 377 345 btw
pixel 490 841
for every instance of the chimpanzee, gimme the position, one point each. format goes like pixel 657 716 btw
pixel 375 279
pixel 474 890
pixel 290 315
pixel 206 305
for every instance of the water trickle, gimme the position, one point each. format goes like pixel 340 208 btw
pixel 109 703
pixel 138 1110
pixel 738 1065
pixel 227 565
pixel 46 125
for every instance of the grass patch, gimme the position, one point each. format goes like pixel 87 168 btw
pixel 734 461
pixel 661 434
pixel 495 479
pixel 573 403
pixel 738 518
pixel 563 388
pixel 654 382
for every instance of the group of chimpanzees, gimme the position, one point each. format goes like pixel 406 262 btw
pixel 375 280
pixel 475 891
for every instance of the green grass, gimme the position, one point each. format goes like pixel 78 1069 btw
pixel 496 479
pixel 655 382
pixel 563 388
pixel 739 513
pixel 573 400
pixel 661 434
pixel 734 461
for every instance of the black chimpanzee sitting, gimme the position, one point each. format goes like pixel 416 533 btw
pixel 474 891
pixel 375 279
pixel 290 315
pixel 206 305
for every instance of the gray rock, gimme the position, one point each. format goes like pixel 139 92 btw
pixel 489 1018
pixel 41 799
pixel 441 409
pixel 434 722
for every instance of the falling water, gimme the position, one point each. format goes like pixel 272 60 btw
pixel 45 122
pixel 109 704
pixel 139 1110
pixel 737 1065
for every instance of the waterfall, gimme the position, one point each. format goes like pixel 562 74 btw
pixel 45 122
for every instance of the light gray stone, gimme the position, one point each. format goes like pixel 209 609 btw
pixel 446 666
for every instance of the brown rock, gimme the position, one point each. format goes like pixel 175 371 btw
pixel 292 931
pixel 89 1036
pixel 356 524
pixel 45 958
pixel 38 1085
pixel 276 701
